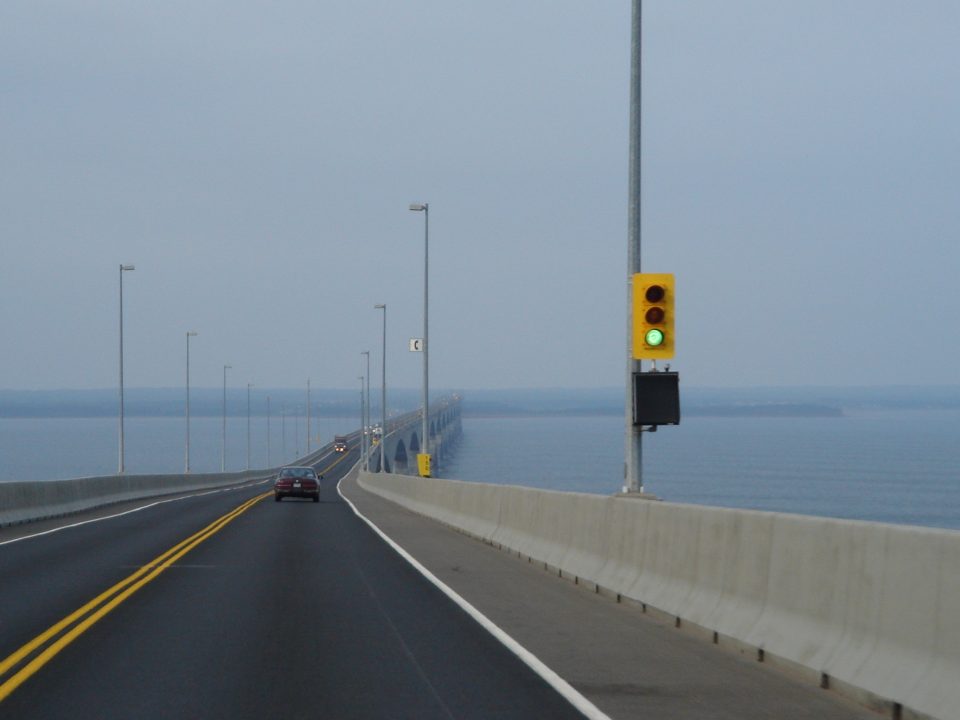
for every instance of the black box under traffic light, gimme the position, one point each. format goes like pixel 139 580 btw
pixel 656 398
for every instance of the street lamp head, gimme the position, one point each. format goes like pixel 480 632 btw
pixel 419 207
pixel 380 307
pixel 191 333
pixel 127 267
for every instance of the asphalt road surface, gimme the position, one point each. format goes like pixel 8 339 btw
pixel 229 605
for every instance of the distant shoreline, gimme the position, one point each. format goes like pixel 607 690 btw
pixel 770 411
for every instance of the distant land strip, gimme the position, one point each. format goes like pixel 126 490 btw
pixel 772 410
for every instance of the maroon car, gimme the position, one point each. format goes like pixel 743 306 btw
pixel 297 482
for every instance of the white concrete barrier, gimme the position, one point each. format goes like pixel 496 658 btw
pixel 868 608
pixel 26 501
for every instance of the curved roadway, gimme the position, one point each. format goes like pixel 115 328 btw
pixel 283 610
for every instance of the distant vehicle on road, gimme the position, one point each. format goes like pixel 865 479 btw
pixel 297 482
pixel 340 443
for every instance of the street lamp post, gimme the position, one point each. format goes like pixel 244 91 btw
pixel 363 413
pixel 383 391
pixel 249 385
pixel 365 421
pixel 633 461
pixel 308 416
pixel 425 431
pixel 123 268
pixel 223 443
pixel 296 431
pixel 186 467
pixel 283 431
pixel 268 432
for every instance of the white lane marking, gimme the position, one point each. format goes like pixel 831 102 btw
pixel 128 512
pixel 565 689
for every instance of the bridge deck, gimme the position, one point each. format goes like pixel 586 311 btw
pixel 628 664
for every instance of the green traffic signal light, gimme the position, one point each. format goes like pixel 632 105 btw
pixel 654 337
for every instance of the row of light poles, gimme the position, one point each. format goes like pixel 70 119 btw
pixel 365 396
pixel 365 387
pixel 223 442
pixel 364 392
pixel 223 439
pixel 121 465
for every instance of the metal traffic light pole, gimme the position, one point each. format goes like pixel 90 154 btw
pixel 633 465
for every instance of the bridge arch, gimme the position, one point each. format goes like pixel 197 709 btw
pixel 375 461
pixel 400 457
pixel 407 440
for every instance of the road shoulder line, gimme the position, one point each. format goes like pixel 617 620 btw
pixel 562 687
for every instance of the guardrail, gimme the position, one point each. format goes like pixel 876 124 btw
pixel 26 501
pixel 866 608
pixel 31 500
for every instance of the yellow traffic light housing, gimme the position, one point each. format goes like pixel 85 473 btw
pixel 653 314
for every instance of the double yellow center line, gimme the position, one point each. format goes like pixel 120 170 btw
pixel 47 644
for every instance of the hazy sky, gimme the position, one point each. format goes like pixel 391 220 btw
pixel 256 160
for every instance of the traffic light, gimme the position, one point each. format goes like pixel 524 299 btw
pixel 653 296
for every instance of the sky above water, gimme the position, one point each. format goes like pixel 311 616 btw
pixel 256 161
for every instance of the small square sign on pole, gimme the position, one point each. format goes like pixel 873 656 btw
pixel 416 344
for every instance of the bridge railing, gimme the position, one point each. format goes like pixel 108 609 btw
pixel 866 608
pixel 26 501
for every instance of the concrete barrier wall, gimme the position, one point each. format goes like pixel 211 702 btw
pixel 870 609
pixel 36 500
pixel 27 501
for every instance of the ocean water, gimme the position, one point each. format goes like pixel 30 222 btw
pixel 55 448
pixel 890 466
pixel 898 466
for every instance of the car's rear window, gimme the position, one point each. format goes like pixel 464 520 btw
pixel 298 473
